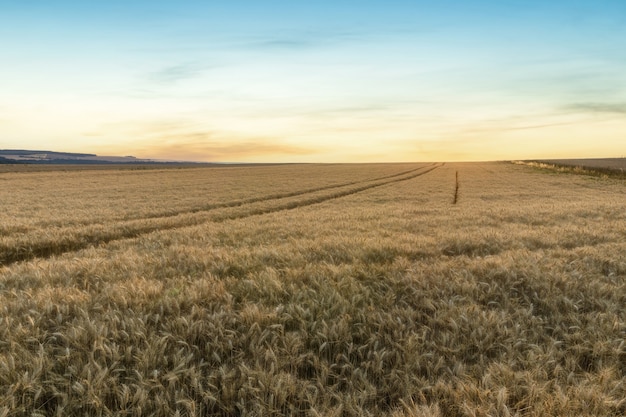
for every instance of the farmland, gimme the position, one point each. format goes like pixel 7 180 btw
pixel 465 289
pixel 604 167
pixel 592 163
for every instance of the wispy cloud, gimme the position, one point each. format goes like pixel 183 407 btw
pixel 175 73
pixel 597 107
pixel 295 40
pixel 179 139
pixel 504 127
pixel 281 44
pixel 206 147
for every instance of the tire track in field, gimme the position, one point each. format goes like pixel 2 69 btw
pixel 238 203
pixel 208 207
pixel 101 234
pixel 456 188
pixel 320 199
pixel 216 206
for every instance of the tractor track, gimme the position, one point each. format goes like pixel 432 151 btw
pixel 321 199
pixel 99 234
pixel 214 206
pixel 278 196
pixel 456 189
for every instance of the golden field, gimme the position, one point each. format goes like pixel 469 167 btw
pixel 476 289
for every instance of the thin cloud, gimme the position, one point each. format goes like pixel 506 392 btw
pixel 175 73
pixel 209 145
pixel 524 122
pixel 282 44
pixel 521 127
pixel 225 151
pixel 595 107
pixel 297 40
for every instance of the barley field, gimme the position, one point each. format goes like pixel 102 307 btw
pixel 403 290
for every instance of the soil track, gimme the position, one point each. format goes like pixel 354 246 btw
pixel 72 240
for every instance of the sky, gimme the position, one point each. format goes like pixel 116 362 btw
pixel 315 81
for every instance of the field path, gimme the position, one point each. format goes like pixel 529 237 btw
pixel 64 240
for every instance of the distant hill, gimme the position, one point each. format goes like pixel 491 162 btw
pixel 22 156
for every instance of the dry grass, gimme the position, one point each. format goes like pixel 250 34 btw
pixel 618 164
pixel 604 168
pixel 354 290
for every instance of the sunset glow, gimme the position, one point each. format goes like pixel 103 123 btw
pixel 348 81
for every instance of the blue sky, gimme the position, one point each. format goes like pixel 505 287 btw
pixel 315 81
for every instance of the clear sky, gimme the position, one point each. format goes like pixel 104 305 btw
pixel 315 81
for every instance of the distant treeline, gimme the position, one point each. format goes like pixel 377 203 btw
pixel 23 152
pixel 81 162
pixel 10 161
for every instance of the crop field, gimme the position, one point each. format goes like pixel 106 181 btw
pixel 403 290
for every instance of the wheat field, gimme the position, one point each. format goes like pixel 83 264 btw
pixel 457 289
